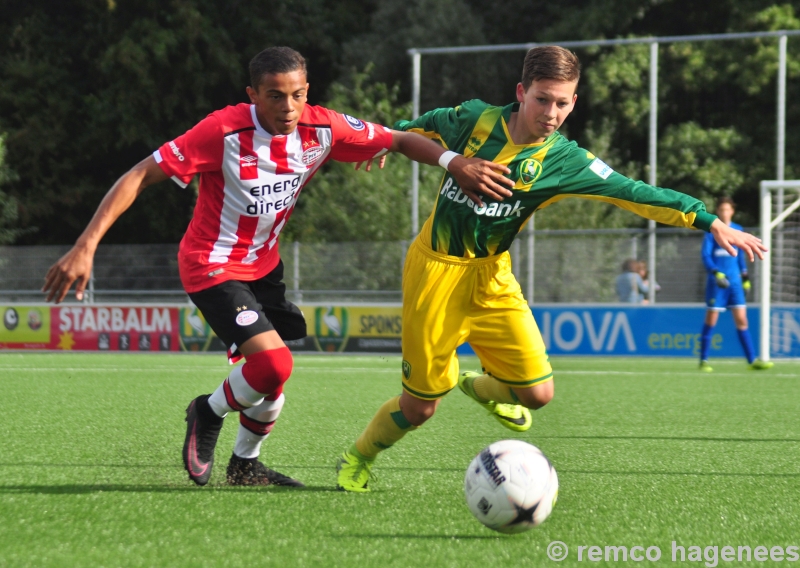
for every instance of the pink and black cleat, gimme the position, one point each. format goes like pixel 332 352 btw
pixel 202 431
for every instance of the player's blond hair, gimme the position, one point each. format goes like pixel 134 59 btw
pixel 550 62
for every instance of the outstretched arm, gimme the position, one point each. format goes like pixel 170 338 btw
pixel 475 177
pixel 584 175
pixel 76 265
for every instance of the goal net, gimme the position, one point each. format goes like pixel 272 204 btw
pixel 779 278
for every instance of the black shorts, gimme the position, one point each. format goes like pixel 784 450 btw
pixel 237 311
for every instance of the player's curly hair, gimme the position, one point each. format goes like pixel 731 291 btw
pixel 275 60
pixel 550 62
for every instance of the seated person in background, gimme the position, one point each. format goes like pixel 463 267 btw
pixel 629 285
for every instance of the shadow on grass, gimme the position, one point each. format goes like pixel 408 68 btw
pixel 75 489
pixel 95 465
pixel 381 468
pixel 675 438
pixel 174 466
pixel 677 473
pixel 421 536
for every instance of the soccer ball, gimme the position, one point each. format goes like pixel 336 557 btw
pixel 511 486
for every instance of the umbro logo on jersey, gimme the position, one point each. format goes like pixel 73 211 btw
pixel 174 148
pixel 451 191
pixel 248 161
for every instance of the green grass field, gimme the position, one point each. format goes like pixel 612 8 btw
pixel 648 451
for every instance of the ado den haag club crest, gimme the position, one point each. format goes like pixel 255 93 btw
pixel 195 333
pixel 529 170
pixel 330 328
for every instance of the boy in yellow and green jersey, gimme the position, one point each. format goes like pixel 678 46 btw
pixel 457 280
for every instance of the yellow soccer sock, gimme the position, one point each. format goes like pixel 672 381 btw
pixel 488 388
pixel 386 427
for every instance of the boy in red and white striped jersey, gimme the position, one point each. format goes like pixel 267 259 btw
pixel 253 161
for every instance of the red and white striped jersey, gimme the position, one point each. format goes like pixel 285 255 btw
pixel 249 183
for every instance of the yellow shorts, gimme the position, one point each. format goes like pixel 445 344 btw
pixel 448 301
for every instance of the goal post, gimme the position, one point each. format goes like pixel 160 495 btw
pixel 768 225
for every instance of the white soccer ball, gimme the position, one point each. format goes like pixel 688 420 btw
pixel 511 486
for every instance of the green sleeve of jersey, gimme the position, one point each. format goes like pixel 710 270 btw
pixel 448 126
pixel 584 175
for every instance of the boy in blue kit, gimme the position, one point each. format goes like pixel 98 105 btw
pixel 726 287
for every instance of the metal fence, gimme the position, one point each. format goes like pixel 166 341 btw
pixel 655 44
pixel 572 266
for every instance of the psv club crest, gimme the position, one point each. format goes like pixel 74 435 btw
pixel 312 152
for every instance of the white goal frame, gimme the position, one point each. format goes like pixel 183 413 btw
pixel 768 224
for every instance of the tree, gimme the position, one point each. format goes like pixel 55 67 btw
pixel 8 205
pixel 90 87
pixel 343 204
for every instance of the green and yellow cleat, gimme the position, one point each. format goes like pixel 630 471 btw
pixel 705 367
pixel 353 472
pixel 759 365
pixel 513 416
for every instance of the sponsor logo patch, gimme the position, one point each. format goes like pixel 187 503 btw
pixel 451 191
pixel 354 123
pixel 247 317
pixel 601 168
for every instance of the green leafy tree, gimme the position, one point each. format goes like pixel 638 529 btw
pixel 8 205
pixel 398 25
pixel 90 87
pixel 342 204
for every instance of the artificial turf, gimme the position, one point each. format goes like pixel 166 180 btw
pixel 648 451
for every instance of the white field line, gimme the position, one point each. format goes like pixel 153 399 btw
pixel 385 370
pixel 187 369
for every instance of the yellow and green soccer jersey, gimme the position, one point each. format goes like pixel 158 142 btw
pixel 543 174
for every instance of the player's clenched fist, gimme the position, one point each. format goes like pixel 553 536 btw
pixel 478 177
